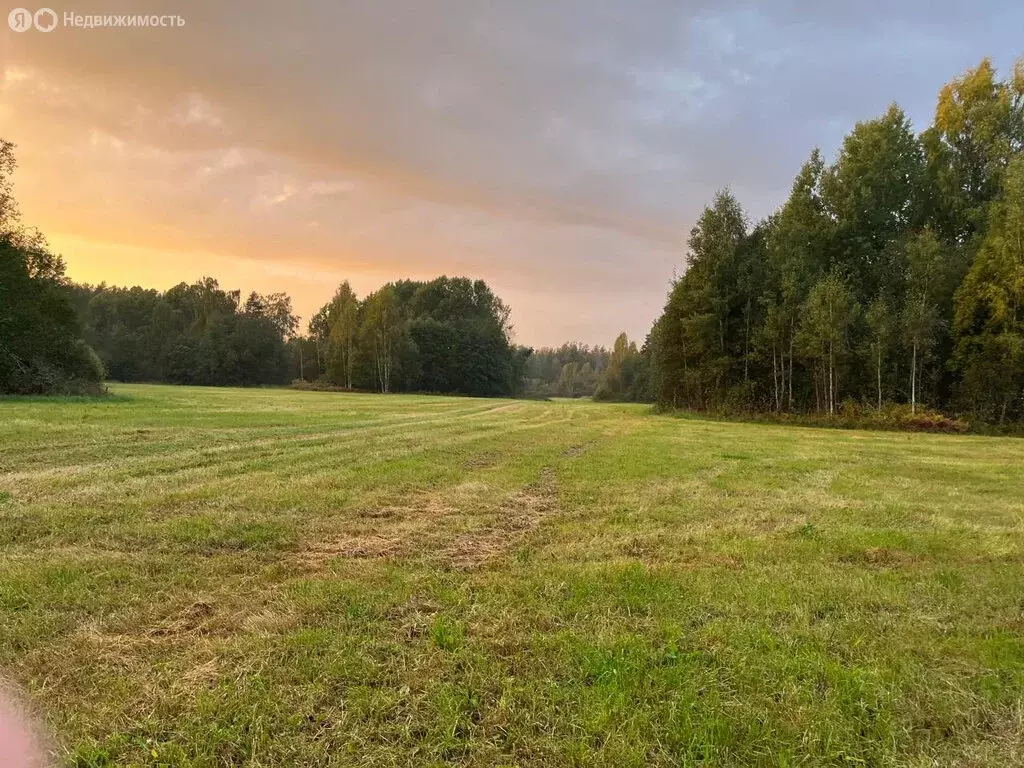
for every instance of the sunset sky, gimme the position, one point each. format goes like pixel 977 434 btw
pixel 561 150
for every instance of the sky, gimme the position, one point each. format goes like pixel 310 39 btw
pixel 559 149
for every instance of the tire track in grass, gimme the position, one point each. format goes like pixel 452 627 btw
pixel 518 516
pixel 425 525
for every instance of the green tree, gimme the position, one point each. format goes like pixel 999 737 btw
pixel 703 316
pixel 41 346
pixel 979 127
pixel 276 307
pixel 881 325
pixel 320 332
pixel 617 380
pixel 798 241
pixel 990 309
pixel 828 315
pixel 874 193
pixel 381 329
pixel 926 267
pixel 343 319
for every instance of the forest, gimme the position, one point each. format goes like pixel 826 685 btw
pixel 892 275
pixel 449 335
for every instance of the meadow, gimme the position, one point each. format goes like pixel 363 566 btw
pixel 213 577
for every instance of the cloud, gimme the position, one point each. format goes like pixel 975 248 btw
pixel 559 150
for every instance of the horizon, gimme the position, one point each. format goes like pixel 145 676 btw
pixel 560 155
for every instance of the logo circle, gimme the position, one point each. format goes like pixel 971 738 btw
pixel 45 19
pixel 20 20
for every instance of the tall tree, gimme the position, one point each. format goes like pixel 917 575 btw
pixel 990 309
pixel 979 127
pixel 382 329
pixel 343 317
pixel 874 193
pixel 617 381
pixel 704 311
pixel 276 307
pixel 926 266
pixel 320 332
pixel 828 315
pixel 880 322
pixel 798 244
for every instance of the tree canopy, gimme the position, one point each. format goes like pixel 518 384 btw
pixel 895 273
pixel 448 335
pixel 41 345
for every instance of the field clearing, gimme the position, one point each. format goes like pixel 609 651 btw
pixel 210 577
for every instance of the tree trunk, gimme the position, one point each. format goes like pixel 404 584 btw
pixel 682 343
pixel 348 363
pixel 913 380
pixel 817 389
pixel 879 377
pixel 790 405
pixel 746 344
pixel 775 380
pixel 831 381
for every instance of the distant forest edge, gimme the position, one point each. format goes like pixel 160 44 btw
pixel 449 335
pixel 892 278
pixel 895 274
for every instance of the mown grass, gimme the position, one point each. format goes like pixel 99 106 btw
pixel 209 577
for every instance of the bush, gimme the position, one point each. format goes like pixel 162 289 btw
pixel 854 415
pixel 320 385
pixel 41 346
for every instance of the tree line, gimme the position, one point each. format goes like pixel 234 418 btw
pixel 570 370
pixel 448 335
pixel 895 274
pixel 195 333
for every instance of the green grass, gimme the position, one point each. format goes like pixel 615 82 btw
pixel 211 577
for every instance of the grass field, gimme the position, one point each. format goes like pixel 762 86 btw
pixel 211 577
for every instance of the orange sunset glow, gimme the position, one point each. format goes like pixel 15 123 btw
pixel 560 157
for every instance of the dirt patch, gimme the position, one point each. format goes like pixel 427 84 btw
pixel 711 560
pixel 386 531
pixel 481 461
pixel 379 513
pixel 880 557
pixel 516 518
pixel 197 618
pixel 370 546
pixel 575 451
pixel 500 409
